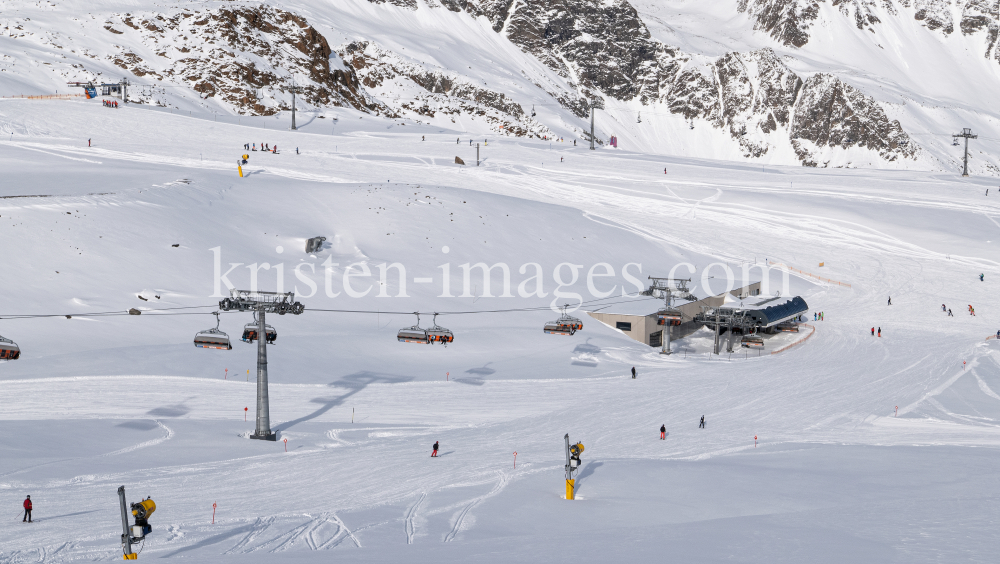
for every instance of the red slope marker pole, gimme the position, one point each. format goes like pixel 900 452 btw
pixel 213 513
pixel 515 460
pixel 447 376
pixel 286 444
pixel 755 441
pixel 245 413
pixel 897 411
pixel 226 377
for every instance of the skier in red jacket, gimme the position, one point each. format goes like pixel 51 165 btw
pixel 435 453
pixel 27 509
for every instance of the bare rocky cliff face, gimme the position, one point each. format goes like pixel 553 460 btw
pixel 603 49
pixel 239 55
pixel 790 21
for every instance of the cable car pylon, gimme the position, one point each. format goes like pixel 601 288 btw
pixel 262 303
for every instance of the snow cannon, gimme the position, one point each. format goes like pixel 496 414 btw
pixel 573 463
pixel 133 534
pixel 141 511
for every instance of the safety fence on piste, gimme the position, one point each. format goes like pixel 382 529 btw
pixel 800 341
pixel 811 275
pixel 46 96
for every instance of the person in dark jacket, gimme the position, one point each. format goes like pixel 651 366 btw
pixel 435 453
pixel 633 373
pixel 663 432
pixel 702 424
pixel 27 509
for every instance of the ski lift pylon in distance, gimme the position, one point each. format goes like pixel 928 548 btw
pixel 9 349
pixel 213 338
pixel 565 325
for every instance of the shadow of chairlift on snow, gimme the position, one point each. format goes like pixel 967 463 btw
pixel 354 383
pixel 483 370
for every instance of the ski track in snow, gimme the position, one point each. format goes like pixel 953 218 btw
pixel 410 514
pixel 502 480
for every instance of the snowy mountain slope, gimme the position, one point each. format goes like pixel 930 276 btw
pixel 661 71
pixel 837 474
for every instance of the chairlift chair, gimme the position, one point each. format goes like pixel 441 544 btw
pixel 213 338
pixel 413 334
pixel 669 316
pixel 532 111
pixel 752 341
pixel 438 334
pixel 565 325
pixel 954 142
pixel 9 349
pixel 788 327
pixel 250 333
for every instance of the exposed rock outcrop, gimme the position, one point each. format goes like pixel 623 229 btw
pixel 239 55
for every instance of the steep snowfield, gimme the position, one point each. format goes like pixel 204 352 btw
pixel 836 475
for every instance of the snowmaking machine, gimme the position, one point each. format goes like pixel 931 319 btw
pixel 134 534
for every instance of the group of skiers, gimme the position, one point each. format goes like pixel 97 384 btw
pixel 879 331
pixel 943 308
pixel 110 104
pixel 263 147
pixel 818 316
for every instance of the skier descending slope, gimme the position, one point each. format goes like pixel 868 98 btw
pixel 702 424
pixel 663 428
pixel 27 509
pixel 633 373
pixel 435 453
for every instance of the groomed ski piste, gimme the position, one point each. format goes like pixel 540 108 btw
pixel 804 458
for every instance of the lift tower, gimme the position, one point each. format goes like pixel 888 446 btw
pixel 261 303
pixel 967 133
pixel 668 289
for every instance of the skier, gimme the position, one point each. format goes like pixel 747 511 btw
pixel 560 159
pixel 275 150
pixel 254 147
pixel 890 300
pixel 88 142
pixel 456 140
pixel 702 424
pixel 296 150
pixel 664 170
pixel 815 316
pixel 981 278
pixel 949 313
pixel 422 138
pixel 879 331
pixel 574 142
pixel 663 428
pixel 268 147
pixel 435 453
pixel 998 335
pixel 27 509
pixel 943 308
pixel 633 373
pixel 873 331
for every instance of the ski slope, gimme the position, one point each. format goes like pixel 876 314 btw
pixel 836 473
